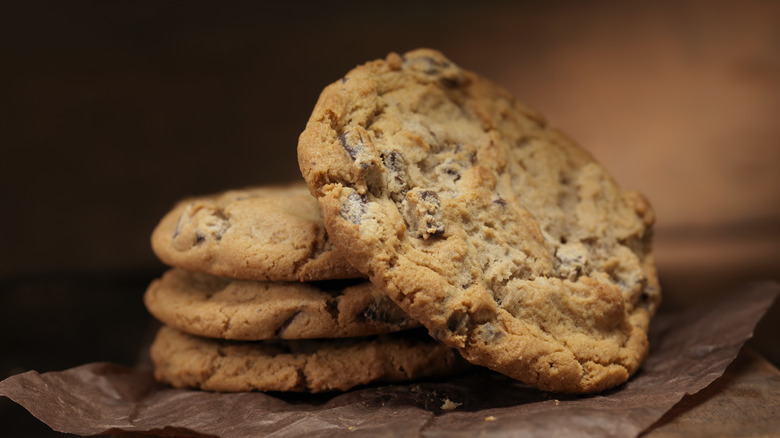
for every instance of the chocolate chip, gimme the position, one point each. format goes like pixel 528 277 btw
pixel 500 201
pixel 452 172
pixel 647 294
pixel 452 324
pixel 430 196
pixel 449 74
pixel 396 167
pixel 283 326
pixel 368 314
pixel 186 215
pixel 644 299
pixel 423 212
pixel 433 66
pixel 303 380
pixel 457 322
pixel 358 148
pixel 434 227
pixel 383 312
pixel 355 208
pixel 450 82
pixel 332 306
pixel 351 150
pixel 199 238
pixel 394 161
pixel 490 332
pixel 223 224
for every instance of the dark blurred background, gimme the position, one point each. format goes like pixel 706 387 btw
pixel 112 111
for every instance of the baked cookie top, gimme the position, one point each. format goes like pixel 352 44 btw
pixel 187 361
pixel 500 234
pixel 219 307
pixel 262 233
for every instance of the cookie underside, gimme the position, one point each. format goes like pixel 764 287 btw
pixel 502 236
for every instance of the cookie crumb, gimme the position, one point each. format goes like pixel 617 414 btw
pixel 557 402
pixel 490 418
pixel 449 405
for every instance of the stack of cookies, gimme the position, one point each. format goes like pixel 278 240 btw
pixel 463 208
pixel 258 299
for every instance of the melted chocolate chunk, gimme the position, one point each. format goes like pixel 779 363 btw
pixel 394 161
pixel 396 167
pixel 351 149
pixel 423 212
pixel 431 197
pixel 355 208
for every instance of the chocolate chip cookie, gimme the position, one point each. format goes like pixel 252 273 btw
pixel 262 233
pixel 187 361
pixel 219 307
pixel 501 235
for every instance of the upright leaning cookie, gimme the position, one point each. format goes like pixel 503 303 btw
pixel 315 365
pixel 220 307
pixel 497 232
pixel 262 233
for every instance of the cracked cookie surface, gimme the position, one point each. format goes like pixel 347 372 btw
pixel 187 361
pixel 501 235
pixel 262 233
pixel 219 307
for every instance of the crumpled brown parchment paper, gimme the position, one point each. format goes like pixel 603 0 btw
pixel 688 352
